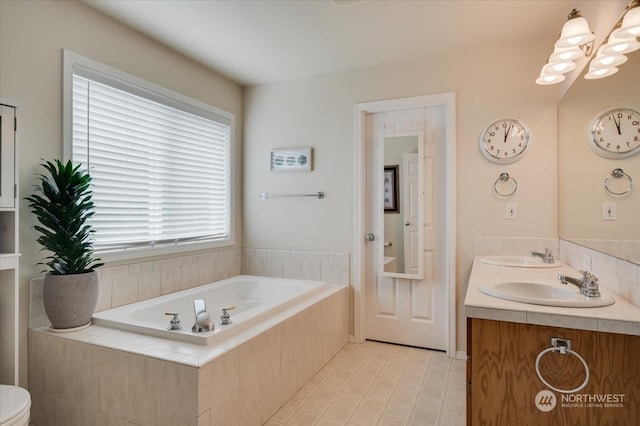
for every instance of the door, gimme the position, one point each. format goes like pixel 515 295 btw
pixel 7 156
pixel 410 216
pixel 399 309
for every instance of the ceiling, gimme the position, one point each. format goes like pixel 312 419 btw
pixel 264 41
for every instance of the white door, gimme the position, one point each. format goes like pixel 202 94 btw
pixel 402 310
pixel 409 181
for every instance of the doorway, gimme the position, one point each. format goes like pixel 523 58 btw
pixel 406 308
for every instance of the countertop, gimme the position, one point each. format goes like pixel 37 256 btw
pixel 621 317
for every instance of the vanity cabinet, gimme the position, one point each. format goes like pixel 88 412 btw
pixel 503 385
pixel 9 254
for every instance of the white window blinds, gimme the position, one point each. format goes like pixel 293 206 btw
pixel 159 168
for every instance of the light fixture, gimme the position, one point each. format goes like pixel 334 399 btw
pixel 617 45
pixel 575 42
pixel 544 80
pixel 630 26
pixel 566 54
pixel 595 73
pixel 607 61
pixel 553 68
pixel 575 31
pixel 621 40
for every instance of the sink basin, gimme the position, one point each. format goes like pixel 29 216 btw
pixel 519 261
pixel 545 294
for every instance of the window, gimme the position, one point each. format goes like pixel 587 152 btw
pixel 159 162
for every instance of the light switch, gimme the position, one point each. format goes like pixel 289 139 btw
pixel 609 211
pixel 512 211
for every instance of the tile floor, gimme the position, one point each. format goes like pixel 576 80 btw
pixel 381 384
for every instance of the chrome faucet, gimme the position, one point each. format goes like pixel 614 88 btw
pixel 547 256
pixel 174 324
pixel 225 318
pixel 588 284
pixel 203 323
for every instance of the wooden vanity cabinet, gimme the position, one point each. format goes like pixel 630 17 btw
pixel 502 383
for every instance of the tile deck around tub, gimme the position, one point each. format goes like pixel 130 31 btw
pixel 376 383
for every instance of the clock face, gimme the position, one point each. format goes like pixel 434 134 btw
pixel 505 141
pixel 616 133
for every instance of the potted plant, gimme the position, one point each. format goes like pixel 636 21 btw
pixel 62 204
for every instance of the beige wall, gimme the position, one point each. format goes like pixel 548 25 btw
pixel 491 83
pixel 32 36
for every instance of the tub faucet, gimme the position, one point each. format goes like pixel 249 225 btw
pixel 225 318
pixel 203 323
pixel 174 324
pixel 588 284
pixel 547 256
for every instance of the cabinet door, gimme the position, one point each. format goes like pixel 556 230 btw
pixel 7 157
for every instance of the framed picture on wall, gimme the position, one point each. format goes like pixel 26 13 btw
pixel 390 186
pixel 291 159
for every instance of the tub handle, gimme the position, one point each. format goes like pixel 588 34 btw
pixel 174 324
pixel 225 318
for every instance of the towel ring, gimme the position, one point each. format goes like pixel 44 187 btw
pixel 504 177
pixel 618 173
pixel 566 349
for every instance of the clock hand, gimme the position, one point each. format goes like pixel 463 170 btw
pixel 506 133
pixel 617 123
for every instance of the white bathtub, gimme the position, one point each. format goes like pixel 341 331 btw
pixel 254 298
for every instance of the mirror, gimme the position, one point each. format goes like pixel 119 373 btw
pixel 402 188
pixel 586 208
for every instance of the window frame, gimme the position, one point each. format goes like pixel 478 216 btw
pixel 71 61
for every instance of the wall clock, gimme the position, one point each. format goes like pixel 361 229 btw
pixel 615 133
pixel 505 141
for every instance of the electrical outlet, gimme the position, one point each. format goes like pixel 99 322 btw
pixel 512 211
pixel 609 211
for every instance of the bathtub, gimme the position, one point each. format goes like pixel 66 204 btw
pixel 255 299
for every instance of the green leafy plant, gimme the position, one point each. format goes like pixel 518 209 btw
pixel 62 204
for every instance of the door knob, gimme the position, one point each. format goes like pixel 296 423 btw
pixel 369 237
pixel 407 223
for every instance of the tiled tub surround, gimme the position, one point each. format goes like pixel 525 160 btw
pixel 121 285
pixel 314 266
pixel 103 376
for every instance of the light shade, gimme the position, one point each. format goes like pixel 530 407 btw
pixel 607 61
pixel 554 68
pixel 619 46
pixel 545 80
pixel 574 33
pixel 561 54
pixel 595 73
pixel 630 24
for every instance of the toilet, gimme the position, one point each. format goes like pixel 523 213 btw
pixel 15 406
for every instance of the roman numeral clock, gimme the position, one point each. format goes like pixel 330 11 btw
pixel 505 141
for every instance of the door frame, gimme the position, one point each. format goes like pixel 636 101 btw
pixel 446 100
